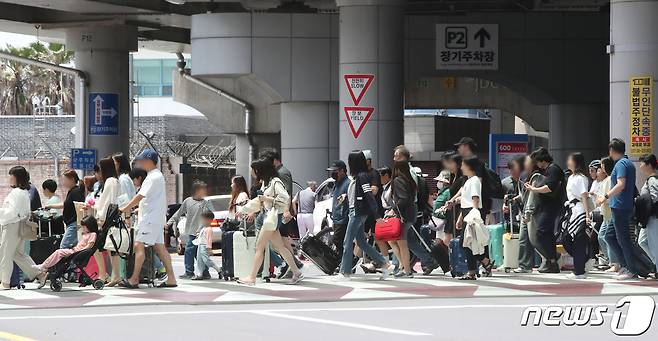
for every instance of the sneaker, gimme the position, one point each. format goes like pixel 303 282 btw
pixel 386 271
pixel 427 270
pixel 161 274
pixel 614 269
pixel 186 276
pixel 521 270
pixel 403 274
pixel 551 268
pixel 574 276
pixel 198 278
pixel 368 268
pixel 627 275
pixel 296 278
pixel 284 271
pixel 589 265
pixel 341 278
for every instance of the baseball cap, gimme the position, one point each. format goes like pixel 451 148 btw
pixel 596 164
pixel 148 154
pixel 444 176
pixel 419 172
pixel 468 141
pixel 367 153
pixel 338 164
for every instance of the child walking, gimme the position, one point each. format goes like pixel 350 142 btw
pixel 89 231
pixel 204 247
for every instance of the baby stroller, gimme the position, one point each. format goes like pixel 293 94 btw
pixel 74 265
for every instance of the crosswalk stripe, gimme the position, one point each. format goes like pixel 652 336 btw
pixel 10 306
pixel 622 289
pixel 114 300
pixel 236 296
pixel 354 283
pixel 195 288
pixel 436 282
pixel 275 286
pixel 24 294
pixel 114 291
pixel 497 291
pixel 368 293
pixel 514 281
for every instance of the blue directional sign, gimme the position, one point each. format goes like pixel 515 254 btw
pixel 83 159
pixel 103 113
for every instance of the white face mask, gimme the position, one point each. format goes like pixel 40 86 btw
pixel 440 185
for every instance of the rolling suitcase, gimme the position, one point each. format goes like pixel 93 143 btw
pixel 227 255
pixel 496 242
pixel 511 245
pixel 244 252
pixel 48 240
pixel 436 248
pixel 147 274
pixel 458 265
pixel 321 254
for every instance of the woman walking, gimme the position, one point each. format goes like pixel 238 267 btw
pixel 648 237
pixel 530 207
pixel 274 197
pixel 122 165
pixel 239 196
pixel 404 207
pixel 14 211
pixel 574 236
pixel 76 193
pixel 362 203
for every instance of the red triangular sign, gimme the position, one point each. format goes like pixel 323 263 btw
pixel 357 117
pixel 357 85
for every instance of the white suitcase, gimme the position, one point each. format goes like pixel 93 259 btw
pixel 510 245
pixel 244 252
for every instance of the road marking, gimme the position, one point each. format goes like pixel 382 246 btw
pixel 24 294
pixel 195 288
pixel 359 294
pixel 115 300
pixel 514 281
pixel 237 296
pixel 14 337
pixel 387 308
pixel 343 324
pixel 435 282
pixel 496 291
pixel 274 286
pixel 625 289
pixel 354 283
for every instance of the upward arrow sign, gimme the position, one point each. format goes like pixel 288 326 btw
pixel 482 35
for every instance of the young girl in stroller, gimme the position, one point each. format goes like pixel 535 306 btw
pixel 89 231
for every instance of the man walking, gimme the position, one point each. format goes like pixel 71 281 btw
pixel 152 217
pixel 339 205
pixel 621 198
pixel 304 203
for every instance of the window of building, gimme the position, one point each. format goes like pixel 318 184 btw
pixel 153 77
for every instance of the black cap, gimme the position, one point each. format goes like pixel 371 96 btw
pixel 338 164
pixel 467 141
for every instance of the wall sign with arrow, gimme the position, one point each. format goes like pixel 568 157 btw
pixel 467 47
pixel 103 113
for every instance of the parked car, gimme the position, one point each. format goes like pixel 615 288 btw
pixel 323 201
pixel 220 203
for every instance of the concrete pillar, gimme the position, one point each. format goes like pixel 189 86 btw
pixel 309 138
pixel 371 42
pixel 577 128
pixel 633 50
pixel 103 53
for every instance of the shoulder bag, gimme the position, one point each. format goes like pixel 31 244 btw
pixel 389 229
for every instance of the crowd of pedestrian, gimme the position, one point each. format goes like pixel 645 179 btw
pixel 592 210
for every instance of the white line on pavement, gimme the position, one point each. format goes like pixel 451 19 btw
pixel 387 308
pixel 343 324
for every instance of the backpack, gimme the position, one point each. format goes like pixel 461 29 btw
pixel 645 208
pixel 494 187
pixel 422 198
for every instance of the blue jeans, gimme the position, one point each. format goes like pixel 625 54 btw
pixel 605 249
pixel 70 237
pixel 203 261
pixel 190 255
pixel 618 239
pixel 355 231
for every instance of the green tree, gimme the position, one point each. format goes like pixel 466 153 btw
pixel 20 83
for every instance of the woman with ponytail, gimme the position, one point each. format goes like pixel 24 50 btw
pixel 76 192
pixel 648 237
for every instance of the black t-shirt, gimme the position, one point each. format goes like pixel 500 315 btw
pixel 375 180
pixel 75 194
pixel 556 182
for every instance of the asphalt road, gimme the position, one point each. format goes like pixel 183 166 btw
pixel 408 319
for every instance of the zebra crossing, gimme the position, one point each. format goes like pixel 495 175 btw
pixel 317 287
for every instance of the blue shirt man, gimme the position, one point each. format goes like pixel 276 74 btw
pixel 624 169
pixel 339 205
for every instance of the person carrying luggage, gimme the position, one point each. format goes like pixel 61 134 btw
pixel 609 262
pixel 87 240
pixel 275 199
pixel 362 204
pixel 573 235
pixel 71 181
pixel 529 208
pixel 439 210
pixel 339 204
pixel 191 209
pixel 403 193
pixel 14 213
pixel 204 247
pixel 452 162
pixel 648 237
pixel 304 204
pixel 470 198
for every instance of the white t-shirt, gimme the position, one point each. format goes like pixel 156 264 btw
pixel 596 184
pixel 472 188
pixel 153 207
pixel 576 187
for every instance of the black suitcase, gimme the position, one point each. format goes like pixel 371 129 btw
pixel 227 255
pixel 643 263
pixel 43 247
pixel 320 253
pixel 437 248
pixel 148 273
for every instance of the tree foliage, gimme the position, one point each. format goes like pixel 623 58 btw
pixel 21 84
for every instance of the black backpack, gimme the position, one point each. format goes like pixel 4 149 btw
pixel 494 187
pixel 422 199
pixel 645 208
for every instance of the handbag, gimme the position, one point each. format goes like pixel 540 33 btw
pixel 119 240
pixel 389 229
pixel 271 221
pixel 28 229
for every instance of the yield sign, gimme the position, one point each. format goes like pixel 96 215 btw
pixel 358 84
pixel 357 117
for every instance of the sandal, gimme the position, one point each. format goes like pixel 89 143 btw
pixel 247 283
pixel 488 268
pixel 112 283
pixel 126 284
pixel 468 277
pixel 166 285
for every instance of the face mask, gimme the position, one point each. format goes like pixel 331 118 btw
pixel 440 185
pixel 334 175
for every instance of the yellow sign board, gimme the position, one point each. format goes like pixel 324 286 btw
pixel 641 115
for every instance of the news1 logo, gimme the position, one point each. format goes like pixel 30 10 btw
pixel 637 320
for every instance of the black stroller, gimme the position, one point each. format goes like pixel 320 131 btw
pixel 74 266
